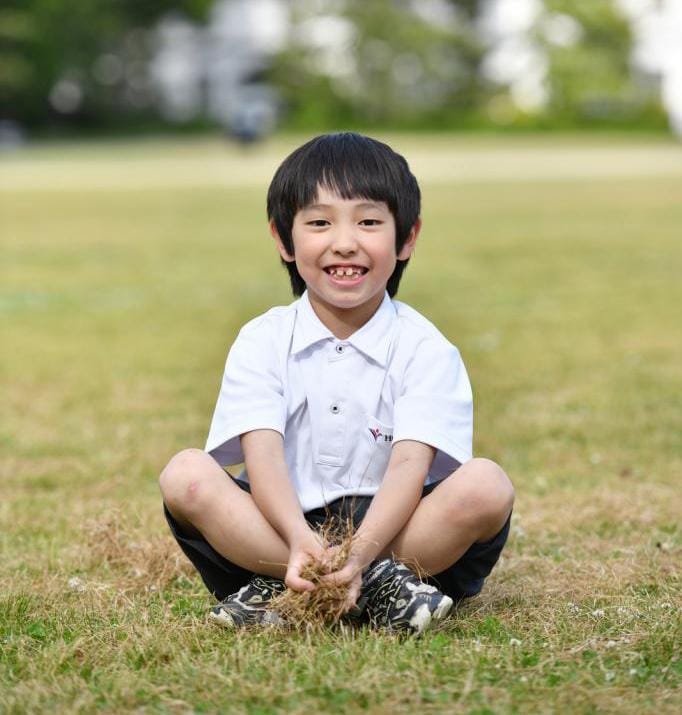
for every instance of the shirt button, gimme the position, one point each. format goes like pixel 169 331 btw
pixel 340 349
pixel 335 408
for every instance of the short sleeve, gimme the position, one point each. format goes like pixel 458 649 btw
pixel 251 395
pixel 435 405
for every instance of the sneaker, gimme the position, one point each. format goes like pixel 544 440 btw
pixel 249 606
pixel 395 598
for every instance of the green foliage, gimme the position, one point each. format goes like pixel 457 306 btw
pixel 401 70
pixel 591 82
pixel 396 69
pixel 44 41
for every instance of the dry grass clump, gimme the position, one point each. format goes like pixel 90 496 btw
pixel 327 603
pixel 142 564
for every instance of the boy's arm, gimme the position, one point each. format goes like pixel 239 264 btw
pixel 391 508
pixel 274 495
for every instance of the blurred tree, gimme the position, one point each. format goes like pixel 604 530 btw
pixel 85 60
pixel 381 62
pixel 589 80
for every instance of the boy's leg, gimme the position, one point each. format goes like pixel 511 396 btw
pixel 469 507
pixel 202 499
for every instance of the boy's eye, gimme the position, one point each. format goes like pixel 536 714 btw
pixel 370 222
pixel 318 222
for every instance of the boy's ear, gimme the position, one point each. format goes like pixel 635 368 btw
pixel 406 251
pixel 288 257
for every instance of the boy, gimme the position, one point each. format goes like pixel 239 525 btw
pixel 345 403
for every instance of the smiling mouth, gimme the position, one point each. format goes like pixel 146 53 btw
pixel 348 272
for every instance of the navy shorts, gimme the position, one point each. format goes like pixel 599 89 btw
pixel 463 579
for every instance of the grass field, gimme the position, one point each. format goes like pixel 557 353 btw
pixel 554 265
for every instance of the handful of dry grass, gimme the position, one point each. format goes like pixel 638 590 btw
pixel 326 604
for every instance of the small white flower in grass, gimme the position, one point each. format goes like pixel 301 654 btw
pixel 523 679
pixel 477 645
pixel 609 675
pixel 633 671
pixel 515 642
pixel 611 644
pixel 573 607
pixel 598 613
pixel 665 604
pixel 76 584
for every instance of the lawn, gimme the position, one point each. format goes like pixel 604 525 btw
pixel 127 269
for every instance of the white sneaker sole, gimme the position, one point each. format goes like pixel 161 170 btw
pixel 224 619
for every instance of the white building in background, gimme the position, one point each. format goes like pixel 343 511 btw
pixel 177 69
pixel 213 71
pixel 514 59
pixel 657 27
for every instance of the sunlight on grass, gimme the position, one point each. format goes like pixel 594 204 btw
pixel 124 282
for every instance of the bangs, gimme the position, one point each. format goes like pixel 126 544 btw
pixel 350 167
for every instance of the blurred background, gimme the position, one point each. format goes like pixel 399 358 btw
pixel 249 67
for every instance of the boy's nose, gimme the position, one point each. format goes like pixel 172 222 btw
pixel 344 241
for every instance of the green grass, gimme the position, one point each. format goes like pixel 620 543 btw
pixel 126 271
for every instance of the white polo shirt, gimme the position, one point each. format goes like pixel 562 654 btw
pixel 341 404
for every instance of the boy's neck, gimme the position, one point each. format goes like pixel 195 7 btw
pixel 343 322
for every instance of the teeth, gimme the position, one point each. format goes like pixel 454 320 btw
pixel 348 272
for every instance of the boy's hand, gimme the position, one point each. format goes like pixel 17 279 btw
pixel 304 548
pixel 350 575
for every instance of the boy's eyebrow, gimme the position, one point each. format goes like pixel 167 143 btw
pixel 363 205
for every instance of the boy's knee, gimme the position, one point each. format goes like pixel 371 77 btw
pixel 182 481
pixel 495 482
pixel 489 491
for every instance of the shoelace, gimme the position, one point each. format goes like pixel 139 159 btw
pixel 386 593
pixel 266 587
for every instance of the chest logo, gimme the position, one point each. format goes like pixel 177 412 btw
pixel 379 435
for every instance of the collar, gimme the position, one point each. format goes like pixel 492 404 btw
pixel 373 339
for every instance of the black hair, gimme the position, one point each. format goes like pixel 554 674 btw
pixel 352 166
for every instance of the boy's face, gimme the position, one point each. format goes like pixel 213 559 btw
pixel 345 252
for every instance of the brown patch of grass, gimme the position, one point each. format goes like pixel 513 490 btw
pixel 141 564
pixel 636 507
